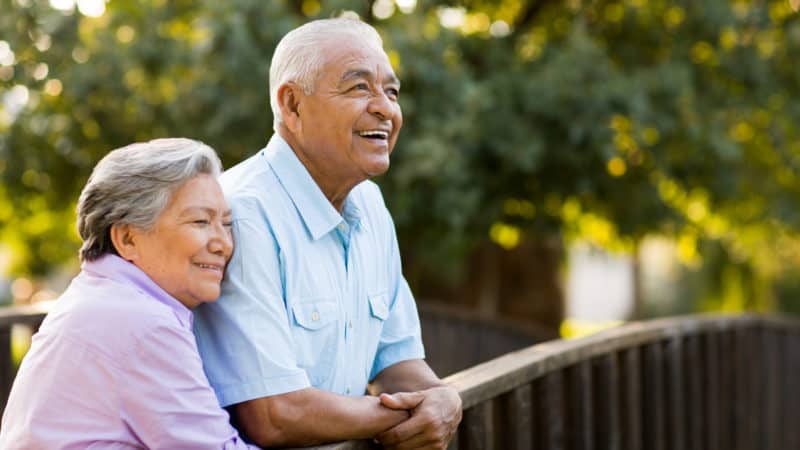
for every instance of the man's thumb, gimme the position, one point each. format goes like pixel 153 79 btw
pixel 401 400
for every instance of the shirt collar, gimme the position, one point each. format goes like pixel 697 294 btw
pixel 351 213
pixel 319 216
pixel 115 268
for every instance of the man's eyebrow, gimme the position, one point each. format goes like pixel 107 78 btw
pixel 355 74
pixel 391 78
pixel 359 73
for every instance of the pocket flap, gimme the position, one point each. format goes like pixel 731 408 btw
pixel 378 306
pixel 314 316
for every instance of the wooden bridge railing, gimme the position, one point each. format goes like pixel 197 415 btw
pixel 29 316
pixel 700 382
pixel 456 339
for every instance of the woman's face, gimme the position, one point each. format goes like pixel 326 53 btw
pixel 188 247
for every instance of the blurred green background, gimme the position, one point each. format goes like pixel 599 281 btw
pixel 531 127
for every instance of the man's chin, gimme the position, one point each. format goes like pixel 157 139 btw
pixel 377 169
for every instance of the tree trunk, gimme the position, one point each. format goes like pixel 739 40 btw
pixel 637 309
pixel 524 283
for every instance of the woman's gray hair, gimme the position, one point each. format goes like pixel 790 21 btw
pixel 299 56
pixel 132 185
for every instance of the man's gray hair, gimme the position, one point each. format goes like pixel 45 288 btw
pixel 132 185
pixel 299 56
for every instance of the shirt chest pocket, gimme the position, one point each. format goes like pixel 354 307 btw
pixel 378 313
pixel 378 306
pixel 315 334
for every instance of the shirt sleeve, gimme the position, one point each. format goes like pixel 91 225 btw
pixel 244 337
pixel 166 399
pixel 401 337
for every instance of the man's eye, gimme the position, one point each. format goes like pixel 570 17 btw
pixel 361 87
pixel 200 222
pixel 227 224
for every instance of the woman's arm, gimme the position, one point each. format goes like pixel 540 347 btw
pixel 167 400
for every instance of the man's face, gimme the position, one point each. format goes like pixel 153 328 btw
pixel 349 124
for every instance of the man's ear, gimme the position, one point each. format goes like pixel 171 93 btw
pixel 124 239
pixel 289 96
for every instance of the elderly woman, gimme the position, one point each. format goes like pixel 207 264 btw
pixel 115 364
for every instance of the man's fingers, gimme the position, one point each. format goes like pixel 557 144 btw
pixel 432 423
pixel 401 432
pixel 419 441
pixel 402 400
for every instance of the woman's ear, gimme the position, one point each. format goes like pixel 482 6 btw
pixel 124 239
pixel 289 96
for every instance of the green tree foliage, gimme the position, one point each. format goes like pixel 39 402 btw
pixel 602 119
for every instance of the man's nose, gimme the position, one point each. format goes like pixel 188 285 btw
pixel 382 107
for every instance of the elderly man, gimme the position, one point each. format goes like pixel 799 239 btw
pixel 314 305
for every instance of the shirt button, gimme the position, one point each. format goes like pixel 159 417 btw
pixel 315 316
pixel 349 324
pixel 347 391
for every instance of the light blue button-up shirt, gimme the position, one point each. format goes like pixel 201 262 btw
pixel 310 297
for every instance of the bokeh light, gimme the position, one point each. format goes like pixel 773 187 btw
pixel 66 6
pixel 92 8
pixel 6 55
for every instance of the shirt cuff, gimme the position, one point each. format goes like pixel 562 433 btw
pixel 396 353
pixel 243 392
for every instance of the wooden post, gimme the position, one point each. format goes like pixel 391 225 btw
pixel 792 393
pixel 519 432
pixel 743 408
pixel 550 411
pixel 580 400
pixel 675 389
pixel 6 365
pixel 606 407
pixel 770 378
pixel 479 427
pixel 711 384
pixel 695 419
pixel 781 375
pixel 728 393
pixel 654 404
pixel 631 395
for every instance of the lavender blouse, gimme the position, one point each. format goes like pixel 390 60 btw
pixel 115 366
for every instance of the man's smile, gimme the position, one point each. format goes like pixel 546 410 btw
pixel 381 135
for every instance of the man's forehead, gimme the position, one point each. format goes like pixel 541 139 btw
pixel 349 56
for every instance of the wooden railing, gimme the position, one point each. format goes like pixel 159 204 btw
pixel 702 382
pixel 27 316
pixel 456 338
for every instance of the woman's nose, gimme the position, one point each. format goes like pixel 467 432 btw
pixel 222 241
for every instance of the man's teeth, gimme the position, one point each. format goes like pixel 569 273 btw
pixel 208 266
pixel 378 134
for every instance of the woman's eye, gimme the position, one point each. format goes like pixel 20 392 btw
pixel 200 222
pixel 394 93
pixel 227 224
